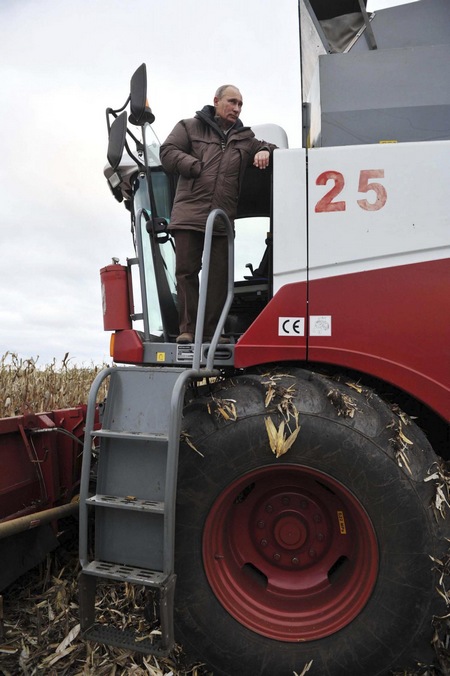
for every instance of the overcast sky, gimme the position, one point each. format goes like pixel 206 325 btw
pixel 62 63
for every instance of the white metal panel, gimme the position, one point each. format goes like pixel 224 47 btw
pixel 390 207
pixel 289 217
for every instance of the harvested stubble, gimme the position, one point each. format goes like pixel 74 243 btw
pixel 39 633
pixel 27 386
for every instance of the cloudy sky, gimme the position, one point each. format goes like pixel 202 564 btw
pixel 62 63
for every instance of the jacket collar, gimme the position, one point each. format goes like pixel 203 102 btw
pixel 207 114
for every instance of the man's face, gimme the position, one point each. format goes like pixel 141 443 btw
pixel 228 108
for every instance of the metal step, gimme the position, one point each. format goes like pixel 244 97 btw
pixel 128 502
pixel 127 639
pixel 126 435
pixel 155 643
pixel 124 573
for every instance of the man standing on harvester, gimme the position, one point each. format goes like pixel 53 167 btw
pixel 210 152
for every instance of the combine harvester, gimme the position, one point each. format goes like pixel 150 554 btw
pixel 284 497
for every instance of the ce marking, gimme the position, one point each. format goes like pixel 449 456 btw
pixel 291 326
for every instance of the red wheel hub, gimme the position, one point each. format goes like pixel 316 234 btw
pixel 290 553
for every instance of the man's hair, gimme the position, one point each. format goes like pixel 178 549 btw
pixel 221 90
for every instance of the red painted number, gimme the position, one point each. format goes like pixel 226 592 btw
pixel 379 190
pixel 328 202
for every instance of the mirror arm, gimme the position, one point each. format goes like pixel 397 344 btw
pixel 140 166
pixel 135 139
pixel 114 112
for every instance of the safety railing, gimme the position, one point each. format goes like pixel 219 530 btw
pixel 204 290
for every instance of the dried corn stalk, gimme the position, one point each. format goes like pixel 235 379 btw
pixel 28 386
pixel 223 408
pixel 344 404
pixel 281 399
pixel 186 438
pixel 406 419
pixel 355 386
pixel 276 391
pixel 279 442
pixel 306 668
pixel 442 497
pixel 401 445
pixel 443 567
pixel 441 638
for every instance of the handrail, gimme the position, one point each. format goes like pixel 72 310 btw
pixel 204 290
pixel 86 465
pixel 192 373
pixel 369 30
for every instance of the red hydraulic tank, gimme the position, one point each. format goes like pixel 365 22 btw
pixel 116 301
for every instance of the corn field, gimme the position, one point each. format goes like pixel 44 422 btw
pixel 26 386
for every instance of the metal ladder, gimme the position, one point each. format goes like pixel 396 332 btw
pixel 135 497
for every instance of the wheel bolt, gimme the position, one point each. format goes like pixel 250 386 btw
pixel 295 561
pixel 312 553
pixel 269 508
pixel 303 504
pixel 286 500
pixel 317 518
pixel 320 537
pixel 277 556
pixel 263 543
pixel 261 524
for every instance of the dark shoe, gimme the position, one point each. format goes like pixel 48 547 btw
pixel 185 339
pixel 222 340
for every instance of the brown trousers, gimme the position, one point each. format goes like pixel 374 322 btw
pixel 189 250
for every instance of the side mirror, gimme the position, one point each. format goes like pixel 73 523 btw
pixel 140 110
pixel 116 142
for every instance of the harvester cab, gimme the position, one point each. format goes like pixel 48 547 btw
pixel 137 178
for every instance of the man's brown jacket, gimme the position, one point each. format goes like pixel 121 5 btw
pixel 210 165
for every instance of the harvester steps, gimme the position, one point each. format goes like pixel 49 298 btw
pixel 126 502
pixel 125 573
pixel 127 639
pixel 127 435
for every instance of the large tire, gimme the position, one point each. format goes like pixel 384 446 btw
pixel 321 554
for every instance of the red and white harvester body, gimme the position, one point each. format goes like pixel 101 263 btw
pixel 282 498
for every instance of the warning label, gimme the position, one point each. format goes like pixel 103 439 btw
pixel 341 520
pixel 320 325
